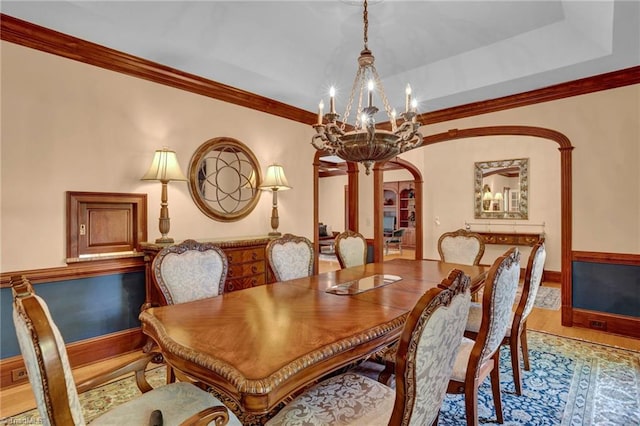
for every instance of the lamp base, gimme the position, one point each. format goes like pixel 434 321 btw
pixel 275 234
pixel 164 240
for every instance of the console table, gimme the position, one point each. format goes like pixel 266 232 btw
pixel 511 238
pixel 246 256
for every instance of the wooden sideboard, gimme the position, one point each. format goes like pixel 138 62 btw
pixel 511 238
pixel 247 258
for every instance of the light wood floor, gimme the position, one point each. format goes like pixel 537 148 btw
pixel 20 398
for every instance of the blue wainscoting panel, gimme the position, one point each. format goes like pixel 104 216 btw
pixel 606 287
pixel 82 308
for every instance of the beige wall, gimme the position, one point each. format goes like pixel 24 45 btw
pixel 331 202
pixel 68 126
pixel 604 128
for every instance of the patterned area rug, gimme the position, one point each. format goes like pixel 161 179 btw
pixel 547 298
pixel 571 383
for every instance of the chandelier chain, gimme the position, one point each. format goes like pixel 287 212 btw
pixel 347 111
pixel 365 18
pixel 383 96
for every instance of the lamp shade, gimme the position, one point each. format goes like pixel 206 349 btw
pixel 487 196
pixel 498 196
pixel 164 167
pixel 275 179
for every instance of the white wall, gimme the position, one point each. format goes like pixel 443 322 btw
pixel 68 126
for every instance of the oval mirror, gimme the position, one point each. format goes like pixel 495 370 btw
pixel 501 189
pixel 224 176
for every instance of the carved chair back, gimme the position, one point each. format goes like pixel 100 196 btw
pixel 461 246
pixel 190 271
pixel 45 357
pixel 290 257
pixel 531 284
pixel 351 249
pixel 428 349
pixel 497 302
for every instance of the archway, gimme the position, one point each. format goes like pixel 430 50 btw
pixel 378 199
pixel 565 149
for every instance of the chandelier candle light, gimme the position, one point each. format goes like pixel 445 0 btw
pixel 365 143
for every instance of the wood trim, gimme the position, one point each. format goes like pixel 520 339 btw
pixel 46 40
pixel 136 224
pixel 606 322
pixel 566 192
pixel 82 352
pixel 36 37
pixel 612 258
pixel 378 200
pixel 93 268
pixel 551 276
pixel 611 80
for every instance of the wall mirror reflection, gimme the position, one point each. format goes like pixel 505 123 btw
pixel 224 176
pixel 501 189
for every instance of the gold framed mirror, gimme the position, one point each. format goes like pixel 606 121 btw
pixel 224 176
pixel 501 189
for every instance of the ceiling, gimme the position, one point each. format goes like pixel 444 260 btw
pixel 451 52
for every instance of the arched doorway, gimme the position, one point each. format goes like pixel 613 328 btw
pixel 378 200
pixel 565 149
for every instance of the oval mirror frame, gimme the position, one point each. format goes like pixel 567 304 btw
pixel 504 203
pixel 224 176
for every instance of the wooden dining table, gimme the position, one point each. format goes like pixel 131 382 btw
pixel 256 347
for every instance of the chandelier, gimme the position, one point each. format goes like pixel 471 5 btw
pixel 363 142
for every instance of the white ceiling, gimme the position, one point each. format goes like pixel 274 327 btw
pixel 452 52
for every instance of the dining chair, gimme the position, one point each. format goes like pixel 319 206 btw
pixel 461 246
pixel 351 249
pixel 394 238
pixel 481 358
pixel 56 392
pixel 516 333
pixel 426 352
pixel 290 256
pixel 190 271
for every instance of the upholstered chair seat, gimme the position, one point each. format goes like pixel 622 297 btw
pixel 347 399
pixel 56 392
pixel 395 238
pixel 425 357
pixel 290 257
pixel 351 249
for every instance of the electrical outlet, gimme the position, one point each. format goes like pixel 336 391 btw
pixel 18 374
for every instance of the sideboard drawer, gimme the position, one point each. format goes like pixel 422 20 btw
pixel 511 239
pixel 245 255
pixel 237 270
pixel 233 284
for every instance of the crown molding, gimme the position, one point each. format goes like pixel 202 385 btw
pixel 46 40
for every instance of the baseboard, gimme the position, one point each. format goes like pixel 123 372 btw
pixel 609 323
pixel 80 353
pixel 552 276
